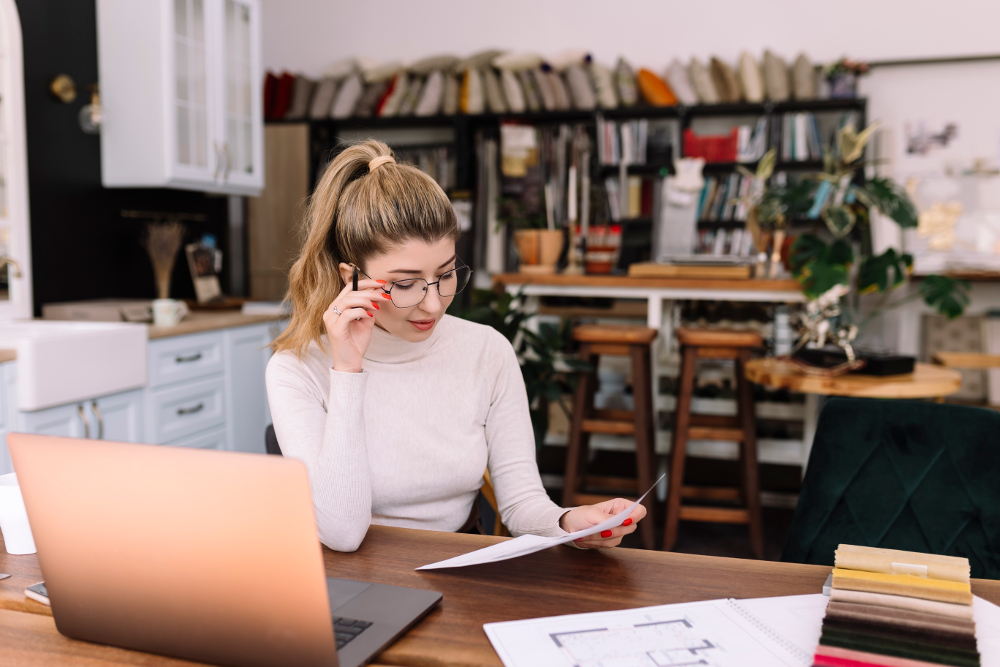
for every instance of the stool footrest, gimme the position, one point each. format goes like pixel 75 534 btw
pixel 714 514
pixel 593 498
pixel 613 427
pixel 715 433
pixel 603 482
pixel 711 492
pixel 715 420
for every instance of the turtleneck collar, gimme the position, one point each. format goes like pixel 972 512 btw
pixel 389 349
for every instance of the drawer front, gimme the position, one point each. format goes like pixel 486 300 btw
pixel 178 412
pixel 184 358
pixel 215 439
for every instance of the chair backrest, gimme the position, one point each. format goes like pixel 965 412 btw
pixel 901 475
pixel 271 441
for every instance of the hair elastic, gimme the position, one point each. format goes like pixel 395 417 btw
pixel 379 161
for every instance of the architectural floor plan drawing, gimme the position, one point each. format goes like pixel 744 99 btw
pixel 653 644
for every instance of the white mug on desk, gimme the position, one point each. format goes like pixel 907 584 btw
pixel 168 312
pixel 17 536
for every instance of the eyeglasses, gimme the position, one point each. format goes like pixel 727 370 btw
pixel 410 292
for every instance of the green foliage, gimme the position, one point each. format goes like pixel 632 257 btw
pixel 946 295
pixel 819 266
pixel 839 220
pixel 889 198
pixel 494 309
pixel 882 272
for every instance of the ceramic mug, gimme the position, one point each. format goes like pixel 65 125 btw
pixel 14 518
pixel 168 312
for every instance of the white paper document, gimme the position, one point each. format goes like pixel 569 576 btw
pixel 715 633
pixel 529 544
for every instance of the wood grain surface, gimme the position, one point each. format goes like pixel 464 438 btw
pixel 926 381
pixel 200 321
pixel 653 283
pixel 555 581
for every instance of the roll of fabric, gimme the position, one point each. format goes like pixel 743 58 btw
pixel 902 584
pixel 901 602
pixel 903 624
pixel 890 561
pixel 834 656
pixel 909 649
pixel 887 617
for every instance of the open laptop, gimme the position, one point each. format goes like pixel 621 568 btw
pixel 199 554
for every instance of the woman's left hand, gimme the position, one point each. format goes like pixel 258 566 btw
pixel 586 516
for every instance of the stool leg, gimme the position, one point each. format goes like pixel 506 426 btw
pixel 642 387
pixel 751 474
pixel 682 419
pixel 576 450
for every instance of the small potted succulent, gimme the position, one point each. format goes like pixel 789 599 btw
pixel 843 77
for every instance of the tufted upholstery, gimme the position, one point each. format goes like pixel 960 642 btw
pixel 901 475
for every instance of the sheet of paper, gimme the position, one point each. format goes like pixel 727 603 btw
pixel 987 617
pixel 529 544
pixel 715 633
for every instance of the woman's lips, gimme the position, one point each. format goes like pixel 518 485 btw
pixel 422 325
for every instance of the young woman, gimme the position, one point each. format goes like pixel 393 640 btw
pixel 397 409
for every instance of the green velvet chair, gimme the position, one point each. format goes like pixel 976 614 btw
pixel 901 475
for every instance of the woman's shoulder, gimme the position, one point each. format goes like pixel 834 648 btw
pixel 479 334
pixel 315 356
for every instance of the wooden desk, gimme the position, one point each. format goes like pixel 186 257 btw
pixel 556 581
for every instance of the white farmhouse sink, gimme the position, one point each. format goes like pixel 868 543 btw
pixel 63 362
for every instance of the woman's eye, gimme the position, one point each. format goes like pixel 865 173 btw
pixel 403 286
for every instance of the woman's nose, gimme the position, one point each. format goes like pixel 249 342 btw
pixel 432 299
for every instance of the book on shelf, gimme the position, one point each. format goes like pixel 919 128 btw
pixel 801 139
pixel 724 243
pixel 724 198
pixel 622 142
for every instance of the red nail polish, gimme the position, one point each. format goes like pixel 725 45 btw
pixel 380 282
pixel 370 315
pixel 386 296
pixel 627 522
pixel 579 539
pixel 375 306
pixel 605 533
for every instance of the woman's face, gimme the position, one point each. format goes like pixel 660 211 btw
pixel 413 259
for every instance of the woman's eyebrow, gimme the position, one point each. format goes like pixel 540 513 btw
pixel 416 272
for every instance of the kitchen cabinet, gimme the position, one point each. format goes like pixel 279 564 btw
pixel 117 417
pixel 180 84
pixel 247 354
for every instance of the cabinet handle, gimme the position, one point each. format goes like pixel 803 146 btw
pixel 100 420
pixel 191 411
pixel 218 160
pixel 184 360
pixel 86 424
pixel 229 159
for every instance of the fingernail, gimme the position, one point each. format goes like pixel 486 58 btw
pixel 386 296
pixel 375 306
pixel 579 539
pixel 371 315
pixel 380 282
pixel 627 522
pixel 605 533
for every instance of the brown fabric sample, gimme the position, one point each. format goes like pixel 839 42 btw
pixel 725 81
pixel 925 637
pixel 903 602
pixel 901 648
pixel 900 618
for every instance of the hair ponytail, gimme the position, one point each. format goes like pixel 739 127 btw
pixel 356 213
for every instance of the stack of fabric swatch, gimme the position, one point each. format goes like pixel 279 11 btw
pixel 898 609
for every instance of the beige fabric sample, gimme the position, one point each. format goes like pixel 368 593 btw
pixel 347 97
pixel 751 78
pixel 948 609
pixel 425 66
pixel 495 103
pixel 544 86
pixel 725 81
pixel 322 100
pixel 518 62
pixel 477 60
pixel 580 87
pixel 412 96
pixel 804 78
pixel 392 103
pixel 678 80
pixel 870 559
pixel 430 96
pixel 903 584
pixel 512 91
pixel 532 96
pixel 559 91
pixel 604 86
pixel 381 72
pixel 702 82
pixel 449 100
pixel 628 89
pixel 775 77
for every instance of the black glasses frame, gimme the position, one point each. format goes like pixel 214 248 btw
pixel 462 265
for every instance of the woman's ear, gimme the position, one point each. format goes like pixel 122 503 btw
pixel 346 272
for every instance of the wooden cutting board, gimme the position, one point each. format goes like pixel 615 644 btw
pixel 654 270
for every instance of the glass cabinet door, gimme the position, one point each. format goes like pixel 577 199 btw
pixel 193 147
pixel 241 97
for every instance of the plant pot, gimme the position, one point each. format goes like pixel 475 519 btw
pixel 539 249
pixel 875 363
pixel 843 85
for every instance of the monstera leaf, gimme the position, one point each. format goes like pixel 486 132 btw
pixel 852 143
pixel 946 295
pixel 879 273
pixel 839 220
pixel 818 266
pixel 889 198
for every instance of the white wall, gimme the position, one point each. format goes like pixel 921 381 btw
pixel 307 35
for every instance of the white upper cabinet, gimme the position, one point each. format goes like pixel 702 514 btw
pixel 180 85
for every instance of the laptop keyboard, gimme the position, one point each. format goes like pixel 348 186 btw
pixel 346 629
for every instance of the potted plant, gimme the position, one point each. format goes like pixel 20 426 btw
pixel 843 77
pixel 547 369
pixel 538 246
pixel 836 272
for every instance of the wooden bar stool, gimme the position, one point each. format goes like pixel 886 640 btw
pixel 629 341
pixel 715 344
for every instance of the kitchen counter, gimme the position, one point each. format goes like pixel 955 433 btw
pixel 8 355
pixel 201 321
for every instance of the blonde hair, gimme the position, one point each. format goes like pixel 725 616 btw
pixel 354 214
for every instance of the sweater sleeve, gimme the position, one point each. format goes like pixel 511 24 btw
pixel 330 440
pixel 524 506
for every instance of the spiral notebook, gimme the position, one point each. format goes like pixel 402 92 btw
pixel 763 632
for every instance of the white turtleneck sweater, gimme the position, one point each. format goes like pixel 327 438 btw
pixel 406 441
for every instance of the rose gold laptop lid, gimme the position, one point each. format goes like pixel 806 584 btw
pixel 206 555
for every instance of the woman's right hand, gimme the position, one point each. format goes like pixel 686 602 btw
pixel 350 332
